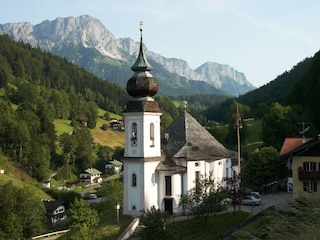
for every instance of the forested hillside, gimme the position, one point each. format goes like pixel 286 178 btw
pixel 37 88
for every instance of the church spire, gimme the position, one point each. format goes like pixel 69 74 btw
pixel 141 63
pixel 142 83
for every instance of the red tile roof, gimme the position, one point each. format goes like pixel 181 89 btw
pixel 291 144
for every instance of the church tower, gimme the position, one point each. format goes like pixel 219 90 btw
pixel 142 138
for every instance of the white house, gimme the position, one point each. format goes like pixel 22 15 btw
pixel 91 175
pixel 159 168
pixel 55 211
pixel 114 165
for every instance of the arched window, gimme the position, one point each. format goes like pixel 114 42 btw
pixel 152 134
pixel 134 180
pixel 134 134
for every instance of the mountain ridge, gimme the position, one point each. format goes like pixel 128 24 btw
pixel 69 34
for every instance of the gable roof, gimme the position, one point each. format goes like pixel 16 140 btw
pixel 93 171
pixel 186 138
pixel 115 163
pixel 52 205
pixel 295 145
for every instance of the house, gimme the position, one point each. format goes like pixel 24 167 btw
pixel 114 165
pixel 303 162
pixel 55 211
pixel 91 175
pixel 159 168
pixel 116 125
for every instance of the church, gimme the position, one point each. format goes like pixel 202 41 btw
pixel 160 167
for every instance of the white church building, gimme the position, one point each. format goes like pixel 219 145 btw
pixel 160 167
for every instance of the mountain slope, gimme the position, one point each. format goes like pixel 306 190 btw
pixel 86 42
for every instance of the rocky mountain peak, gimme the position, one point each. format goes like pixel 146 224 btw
pixel 90 33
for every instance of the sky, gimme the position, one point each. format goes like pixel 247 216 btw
pixel 260 38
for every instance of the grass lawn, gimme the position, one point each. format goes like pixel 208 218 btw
pixel 110 137
pixel 215 227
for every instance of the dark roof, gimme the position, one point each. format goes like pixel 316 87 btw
pixel 52 205
pixel 170 165
pixel 186 138
pixel 142 83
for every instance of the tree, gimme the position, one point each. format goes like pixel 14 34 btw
pixel 154 222
pixel 263 167
pixel 83 218
pixel 205 198
pixel 22 214
pixel 112 191
pixel 279 123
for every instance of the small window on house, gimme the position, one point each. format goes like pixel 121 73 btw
pixel 310 186
pixel 196 164
pixel 152 134
pixel 134 180
pixel 133 207
pixel 309 166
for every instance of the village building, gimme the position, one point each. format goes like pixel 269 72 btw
pixel 158 169
pixel 56 211
pixel 114 166
pixel 91 175
pixel 302 156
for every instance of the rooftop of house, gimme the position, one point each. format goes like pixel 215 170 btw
pixel 52 205
pixel 93 171
pixel 291 144
pixel 115 163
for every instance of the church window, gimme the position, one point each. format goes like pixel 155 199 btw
pixel 152 134
pixel 168 185
pixel 197 178
pixel 134 134
pixel 134 180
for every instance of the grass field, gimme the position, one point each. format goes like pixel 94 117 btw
pixel 110 137
pixel 253 137
pixel 217 224
pixel 19 178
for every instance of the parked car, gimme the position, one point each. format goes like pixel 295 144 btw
pixel 250 200
pixel 255 194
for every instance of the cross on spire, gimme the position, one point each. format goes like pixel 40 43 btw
pixel 141 24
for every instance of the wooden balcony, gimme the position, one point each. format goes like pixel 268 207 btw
pixel 304 175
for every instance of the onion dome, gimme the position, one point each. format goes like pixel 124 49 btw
pixel 142 83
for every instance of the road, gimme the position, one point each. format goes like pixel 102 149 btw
pixel 277 199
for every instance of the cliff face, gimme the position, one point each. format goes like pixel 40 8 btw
pixel 87 38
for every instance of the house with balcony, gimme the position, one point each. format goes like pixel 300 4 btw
pixel 91 175
pixel 303 162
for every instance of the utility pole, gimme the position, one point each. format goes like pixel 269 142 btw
pixel 238 126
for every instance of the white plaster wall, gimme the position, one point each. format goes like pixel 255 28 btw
pixel 150 186
pixel 132 195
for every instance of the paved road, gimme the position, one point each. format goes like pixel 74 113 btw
pixel 277 199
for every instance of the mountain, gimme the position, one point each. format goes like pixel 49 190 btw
pixel 86 42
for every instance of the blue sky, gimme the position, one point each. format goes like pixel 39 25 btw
pixel 261 38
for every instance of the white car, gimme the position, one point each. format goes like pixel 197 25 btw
pixel 250 200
